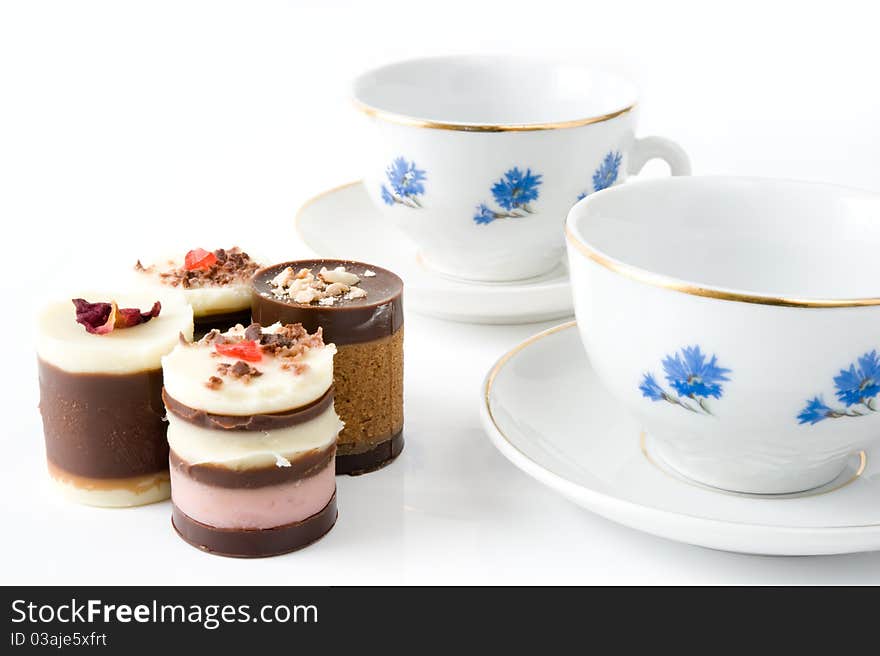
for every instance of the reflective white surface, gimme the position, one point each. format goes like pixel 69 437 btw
pixel 547 412
pixel 220 134
pixel 451 509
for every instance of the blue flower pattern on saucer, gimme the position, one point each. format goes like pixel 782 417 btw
pixel 514 193
pixel 694 378
pixel 856 389
pixel 606 174
pixel 406 182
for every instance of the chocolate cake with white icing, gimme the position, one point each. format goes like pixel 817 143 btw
pixel 99 362
pixel 215 283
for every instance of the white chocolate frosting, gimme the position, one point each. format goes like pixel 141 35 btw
pixel 188 368
pixel 245 449
pixel 64 343
pixel 205 301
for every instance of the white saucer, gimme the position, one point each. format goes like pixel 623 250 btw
pixel 342 223
pixel 546 411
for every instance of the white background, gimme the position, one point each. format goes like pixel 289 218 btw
pixel 131 126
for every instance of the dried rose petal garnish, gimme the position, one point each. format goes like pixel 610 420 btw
pixel 128 317
pixel 98 318
pixel 199 258
pixel 102 318
pixel 247 350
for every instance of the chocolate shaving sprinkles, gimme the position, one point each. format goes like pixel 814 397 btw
pixel 242 368
pixel 291 340
pixel 233 266
pixel 209 337
pixel 254 332
pixel 289 344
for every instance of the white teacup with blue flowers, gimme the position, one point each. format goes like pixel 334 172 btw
pixel 739 320
pixel 478 159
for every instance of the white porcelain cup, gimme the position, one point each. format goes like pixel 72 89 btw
pixel 478 159
pixel 738 319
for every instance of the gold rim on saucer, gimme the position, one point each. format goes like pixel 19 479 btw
pixel 504 359
pixel 412 121
pixel 676 285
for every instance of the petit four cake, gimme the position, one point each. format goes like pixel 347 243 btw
pixel 252 431
pixel 360 309
pixel 99 363
pixel 214 282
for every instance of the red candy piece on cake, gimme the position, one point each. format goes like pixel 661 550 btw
pixel 199 258
pixel 247 350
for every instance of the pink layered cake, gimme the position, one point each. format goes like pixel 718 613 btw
pixel 252 431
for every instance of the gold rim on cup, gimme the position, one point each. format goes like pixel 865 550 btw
pixel 412 121
pixel 673 284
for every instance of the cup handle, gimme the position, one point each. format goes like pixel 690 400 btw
pixel 649 148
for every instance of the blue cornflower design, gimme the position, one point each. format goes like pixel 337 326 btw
pixel 859 384
pixel 387 197
pixel 693 375
pixel 815 411
pixel 606 174
pixel 513 192
pixel 856 389
pixel 651 389
pixel 405 178
pixel 484 215
pixel 406 182
pixel 516 189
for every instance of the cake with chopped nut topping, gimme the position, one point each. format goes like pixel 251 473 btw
pixel 359 307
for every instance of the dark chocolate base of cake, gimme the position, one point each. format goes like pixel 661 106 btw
pixel 222 321
pixel 255 543
pixel 382 454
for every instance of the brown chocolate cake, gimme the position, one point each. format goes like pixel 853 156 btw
pixel 360 309
pixel 100 375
